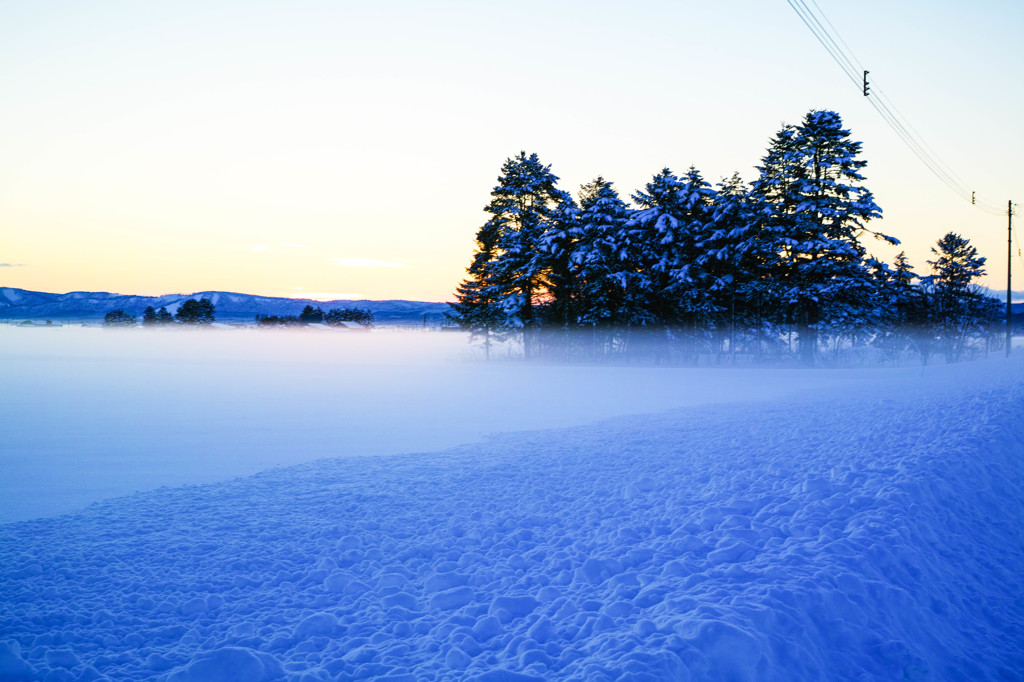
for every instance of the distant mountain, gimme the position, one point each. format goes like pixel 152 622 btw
pixel 91 306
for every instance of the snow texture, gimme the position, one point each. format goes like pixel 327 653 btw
pixel 868 530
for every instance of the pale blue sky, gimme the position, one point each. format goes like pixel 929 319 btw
pixel 289 148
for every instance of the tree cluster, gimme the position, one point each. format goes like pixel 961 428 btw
pixel 690 268
pixel 190 313
pixel 195 313
pixel 118 318
pixel 335 317
pixel 154 318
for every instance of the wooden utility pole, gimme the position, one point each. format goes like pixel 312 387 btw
pixel 1009 263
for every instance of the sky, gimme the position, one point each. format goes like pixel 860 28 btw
pixel 347 150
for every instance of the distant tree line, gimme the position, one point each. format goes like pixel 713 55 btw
pixel 202 312
pixel 692 270
pixel 191 313
pixel 335 317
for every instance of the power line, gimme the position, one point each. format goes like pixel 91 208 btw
pixel 809 20
pixel 841 53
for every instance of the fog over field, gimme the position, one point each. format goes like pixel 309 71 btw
pixel 318 506
pixel 96 413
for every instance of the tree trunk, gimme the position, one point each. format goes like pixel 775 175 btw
pixel 807 337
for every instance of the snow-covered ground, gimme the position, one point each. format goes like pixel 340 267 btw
pixel 513 522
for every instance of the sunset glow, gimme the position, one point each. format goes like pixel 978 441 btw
pixel 151 148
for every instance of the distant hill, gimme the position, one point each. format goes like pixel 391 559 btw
pixel 91 306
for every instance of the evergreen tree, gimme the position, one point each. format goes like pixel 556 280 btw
pixel 673 218
pixel 655 230
pixel 902 316
pixel 475 309
pixel 812 215
pixel 959 308
pixel 694 283
pixel 604 259
pixel 164 317
pixel 558 261
pixel 732 264
pixel 149 317
pixel 509 277
pixel 311 315
pixel 196 313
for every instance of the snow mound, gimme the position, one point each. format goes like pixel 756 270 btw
pixel 856 536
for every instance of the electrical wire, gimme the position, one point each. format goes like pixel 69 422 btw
pixel 894 113
pixel 829 38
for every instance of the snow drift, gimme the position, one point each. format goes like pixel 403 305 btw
pixel 863 530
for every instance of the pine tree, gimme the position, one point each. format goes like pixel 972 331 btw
pixel 732 264
pixel 693 282
pixel 959 307
pixel 902 316
pixel 474 309
pixel 605 258
pixel 311 315
pixel 164 317
pixel 655 229
pixel 509 275
pixel 557 259
pixel 673 218
pixel 813 213
pixel 149 317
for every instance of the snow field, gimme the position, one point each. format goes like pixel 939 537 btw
pixel 856 534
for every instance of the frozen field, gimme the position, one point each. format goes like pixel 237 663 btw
pixel 418 517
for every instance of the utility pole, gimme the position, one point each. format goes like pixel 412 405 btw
pixel 1009 263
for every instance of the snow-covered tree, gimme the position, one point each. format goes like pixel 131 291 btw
pixel 732 264
pixel 667 239
pixel 812 216
pixel 604 258
pixel 508 276
pixel 557 259
pixel 673 216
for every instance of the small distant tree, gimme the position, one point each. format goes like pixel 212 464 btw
pixel 118 318
pixel 149 317
pixel 902 317
pixel 278 321
pixel 336 316
pixel 164 317
pixel 959 308
pixel 311 315
pixel 196 313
